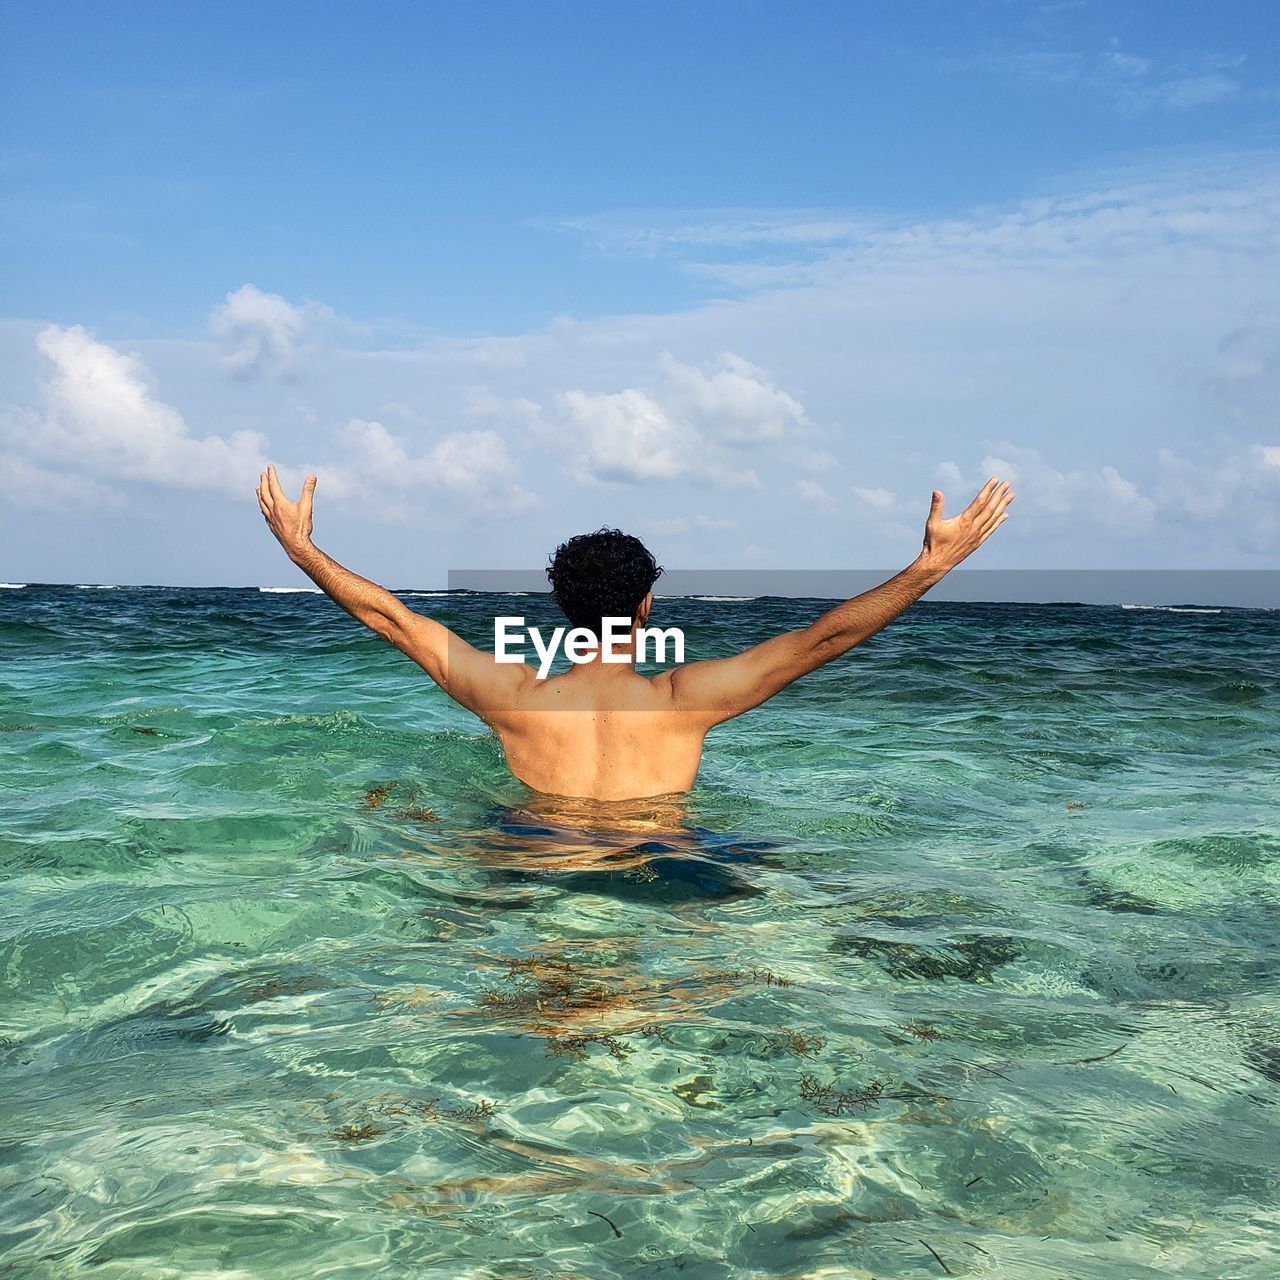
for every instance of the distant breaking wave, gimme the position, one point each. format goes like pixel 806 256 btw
pixel 286 591
pixel 1169 608
pixel 718 599
pixel 96 586
pixel 12 586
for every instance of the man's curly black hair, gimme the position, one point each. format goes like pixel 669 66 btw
pixel 600 575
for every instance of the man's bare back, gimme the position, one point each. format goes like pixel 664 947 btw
pixel 601 730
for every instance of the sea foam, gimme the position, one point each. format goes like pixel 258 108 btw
pixel 1169 608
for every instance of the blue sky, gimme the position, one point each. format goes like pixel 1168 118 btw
pixel 747 278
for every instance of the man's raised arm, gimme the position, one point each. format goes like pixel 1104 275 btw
pixel 465 673
pixel 722 688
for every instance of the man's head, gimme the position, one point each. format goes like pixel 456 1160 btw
pixel 606 574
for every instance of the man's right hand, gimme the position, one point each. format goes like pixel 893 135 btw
pixel 947 541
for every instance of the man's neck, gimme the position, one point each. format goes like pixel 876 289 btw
pixel 622 663
pixel 596 669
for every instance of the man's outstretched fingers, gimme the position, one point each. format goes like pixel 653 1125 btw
pixel 998 516
pixel 995 498
pixel 988 530
pixel 1002 504
pixel 273 483
pixel 980 501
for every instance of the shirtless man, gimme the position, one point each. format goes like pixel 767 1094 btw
pixel 602 731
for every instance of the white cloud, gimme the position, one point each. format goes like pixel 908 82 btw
pixel 1187 92
pixel 649 236
pixel 672 525
pixel 1232 501
pixel 734 403
pixel 811 492
pixel 102 421
pixel 1130 82
pixel 102 427
pixel 1245 379
pixel 624 437
pixel 683 524
pixel 1130 226
pixel 1052 499
pixel 1085 331
pixel 692 422
pixel 1241 485
pixel 39 488
pixel 877 499
pixel 261 329
pixel 1126 64
pixel 472 462
pixel 817 460
pixel 473 466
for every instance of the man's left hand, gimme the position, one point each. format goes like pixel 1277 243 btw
pixel 289 521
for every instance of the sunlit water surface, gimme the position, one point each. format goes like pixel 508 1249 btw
pixel 964 958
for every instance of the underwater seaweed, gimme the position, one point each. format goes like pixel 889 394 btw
pixel 922 1031
pixel 376 796
pixel 546 986
pixel 416 813
pixel 575 1046
pixel 968 957
pixel 407 1111
pixel 547 993
pixel 742 977
pixel 796 1043
pixel 831 1101
pixel 357 1133
pixel 430 1109
pixel 653 1031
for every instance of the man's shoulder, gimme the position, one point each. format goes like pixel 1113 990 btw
pixel 640 693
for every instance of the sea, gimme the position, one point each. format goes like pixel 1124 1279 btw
pixel 963 957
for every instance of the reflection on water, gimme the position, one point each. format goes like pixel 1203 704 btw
pixel 974 974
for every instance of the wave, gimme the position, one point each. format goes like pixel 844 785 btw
pixel 96 586
pixel 288 591
pixel 1170 608
pixel 12 586
pixel 719 599
pixel 424 593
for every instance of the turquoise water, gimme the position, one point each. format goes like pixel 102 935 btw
pixel 964 959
